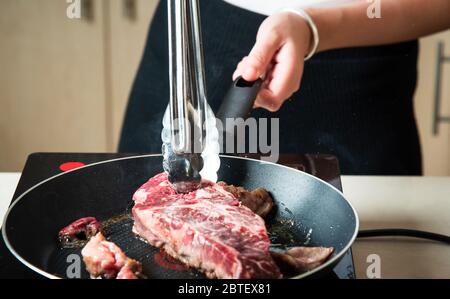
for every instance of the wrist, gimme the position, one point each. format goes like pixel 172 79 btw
pixel 314 33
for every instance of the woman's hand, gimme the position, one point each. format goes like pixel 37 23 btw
pixel 283 41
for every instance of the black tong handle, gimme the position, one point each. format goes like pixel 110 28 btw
pixel 238 102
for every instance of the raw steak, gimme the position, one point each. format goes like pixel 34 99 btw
pixel 258 200
pixel 80 230
pixel 106 259
pixel 207 229
pixel 301 259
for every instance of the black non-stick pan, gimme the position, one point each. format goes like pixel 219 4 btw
pixel 308 212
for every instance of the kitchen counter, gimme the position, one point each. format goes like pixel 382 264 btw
pixel 8 183
pixel 421 203
pixel 382 202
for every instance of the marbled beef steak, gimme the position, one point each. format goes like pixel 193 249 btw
pixel 208 229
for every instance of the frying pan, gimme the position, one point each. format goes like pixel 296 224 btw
pixel 308 212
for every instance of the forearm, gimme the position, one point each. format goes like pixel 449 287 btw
pixel 284 39
pixel 401 20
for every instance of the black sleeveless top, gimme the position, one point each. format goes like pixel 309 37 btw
pixel 355 103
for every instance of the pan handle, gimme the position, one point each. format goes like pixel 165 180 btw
pixel 238 102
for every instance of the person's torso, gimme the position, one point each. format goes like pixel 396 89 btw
pixel 354 103
pixel 271 6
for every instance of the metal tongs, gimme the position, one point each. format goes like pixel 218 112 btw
pixel 190 130
pixel 187 109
